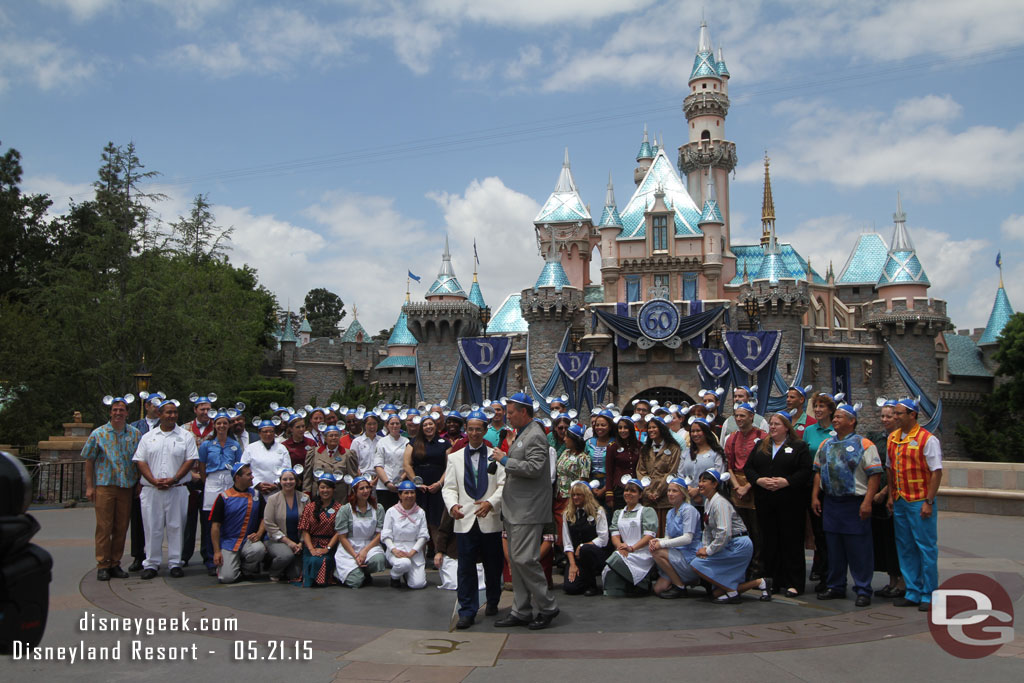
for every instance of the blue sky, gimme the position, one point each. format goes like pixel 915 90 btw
pixel 342 140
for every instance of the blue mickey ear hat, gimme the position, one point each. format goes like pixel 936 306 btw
pixel 521 398
pixel 127 399
pixel 195 399
pixel 478 415
pixel 640 483
pixel 237 467
pixel 593 484
pixel 744 406
pixel 850 410
pixel 406 485
pixel 715 475
pixel 577 431
pixel 803 391
pixel 909 404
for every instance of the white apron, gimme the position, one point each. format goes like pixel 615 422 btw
pixel 216 483
pixel 631 531
pixel 363 531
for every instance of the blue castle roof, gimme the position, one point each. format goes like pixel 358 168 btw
pixel 509 318
pixel 446 283
pixel 1001 313
pixel 552 275
pixel 646 151
pixel 475 295
pixel 864 265
pixel 610 215
pixel 564 205
pixel 396 362
pixel 749 257
pixel 400 335
pixel 901 263
pixel 704 63
pixel 353 331
pixel 661 174
pixel 964 356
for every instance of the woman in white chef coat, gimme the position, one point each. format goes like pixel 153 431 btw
pixel 628 569
pixel 358 524
pixel 389 461
pixel 405 536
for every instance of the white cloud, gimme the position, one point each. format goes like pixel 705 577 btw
pixel 83 10
pixel 45 64
pixel 414 40
pixel 529 58
pixel 530 13
pixel 913 145
pixel 270 40
pixel 1013 227
pixel 61 193
pixel 500 219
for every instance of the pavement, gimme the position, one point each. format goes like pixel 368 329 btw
pixel 198 630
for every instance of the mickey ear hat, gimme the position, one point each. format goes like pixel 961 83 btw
pixel 406 485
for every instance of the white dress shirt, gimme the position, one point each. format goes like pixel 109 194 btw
pixel 166 452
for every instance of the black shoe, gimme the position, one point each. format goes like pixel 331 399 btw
pixel 490 610
pixel 510 621
pixel 118 573
pixel 886 592
pixel 816 576
pixel 148 574
pixel 211 571
pixel 903 602
pixel 368 576
pixel 542 621
pixel 766 592
pixel 103 575
pixel 397 583
pixel 832 594
pixel 821 586
pixel 672 593
pixel 592 591
pixel 135 566
pixel 177 572
pixel 863 601
pixel 924 607
pixel 464 622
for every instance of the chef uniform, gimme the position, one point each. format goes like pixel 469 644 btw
pixel 406 530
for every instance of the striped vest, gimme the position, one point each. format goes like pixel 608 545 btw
pixel 241 518
pixel 910 473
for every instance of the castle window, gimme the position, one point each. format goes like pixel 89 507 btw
pixel 856 290
pixel 659 233
pixel 705 136
pixel 689 286
pixel 704 86
pixel 716 86
pixel 632 288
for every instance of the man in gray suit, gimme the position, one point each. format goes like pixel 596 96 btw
pixel 526 508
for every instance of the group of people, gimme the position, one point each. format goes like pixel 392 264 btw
pixel 660 500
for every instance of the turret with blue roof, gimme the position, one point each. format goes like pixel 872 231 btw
pixel 704 63
pixel 902 266
pixel 355 333
pixel 564 205
pixel 645 152
pixel 553 274
pixel 720 67
pixel 401 344
pixel 610 214
pixel 1001 313
pixel 446 285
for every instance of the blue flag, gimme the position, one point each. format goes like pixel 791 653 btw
pixel 413 276
pixel 999 259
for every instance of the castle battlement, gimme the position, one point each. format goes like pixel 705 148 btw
pixel 550 303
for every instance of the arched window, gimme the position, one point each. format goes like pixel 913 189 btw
pixel 705 136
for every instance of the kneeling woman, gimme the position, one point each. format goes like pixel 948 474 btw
pixel 584 539
pixel 359 524
pixel 318 536
pixel 674 553
pixel 726 548
pixel 628 569
pixel 405 536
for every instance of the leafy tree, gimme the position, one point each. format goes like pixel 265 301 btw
pixel 354 394
pixel 104 300
pixel 23 229
pixel 258 396
pixel 383 336
pixel 324 310
pixel 997 430
pixel 197 237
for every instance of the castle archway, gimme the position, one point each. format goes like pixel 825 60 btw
pixel 663 395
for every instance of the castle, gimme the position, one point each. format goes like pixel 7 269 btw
pixel 672 240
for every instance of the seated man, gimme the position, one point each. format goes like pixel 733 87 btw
pixel 234 520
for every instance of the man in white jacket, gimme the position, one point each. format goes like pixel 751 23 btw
pixel 473 498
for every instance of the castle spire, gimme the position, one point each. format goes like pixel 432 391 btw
pixel 767 205
pixel 646 152
pixel 1000 315
pixel 610 215
pixel 446 283
pixel 902 266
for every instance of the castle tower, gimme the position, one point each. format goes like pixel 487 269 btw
pixel 396 374
pixel 288 344
pixel 712 225
pixel 904 316
pixel 551 308
pixel 609 227
pixel 1001 313
pixel 436 324
pixel 767 205
pixel 706 107
pixel 305 332
pixel 644 158
pixel 565 219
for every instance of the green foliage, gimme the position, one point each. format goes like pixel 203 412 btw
pixel 23 231
pixel 324 310
pixel 354 394
pixel 997 430
pixel 197 238
pixel 258 396
pixel 104 296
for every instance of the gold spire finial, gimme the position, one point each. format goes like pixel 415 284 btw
pixel 767 204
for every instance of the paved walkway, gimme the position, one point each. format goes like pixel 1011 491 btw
pixel 380 634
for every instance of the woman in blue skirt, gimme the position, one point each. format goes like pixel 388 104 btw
pixel 674 553
pixel 726 548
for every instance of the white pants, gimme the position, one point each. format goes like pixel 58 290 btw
pixel 415 572
pixel 163 513
pixel 450 574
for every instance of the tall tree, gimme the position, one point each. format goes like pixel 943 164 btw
pixel 23 229
pixel 197 237
pixel 324 310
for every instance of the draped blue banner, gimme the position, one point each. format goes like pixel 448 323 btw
pixel 689 327
pixel 484 355
pixel 597 382
pixel 927 405
pixel 574 366
pixel 697 306
pixel 716 363
pixel 753 350
pixel 841 377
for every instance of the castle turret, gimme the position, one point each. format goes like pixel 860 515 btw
pixel 1001 313
pixel 566 219
pixel 396 373
pixel 644 158
pixel 712 224
pixel 288 344
pixel 902 274
pixel 437 323
pixel 609 228
pixel 706 107
pixel 305 332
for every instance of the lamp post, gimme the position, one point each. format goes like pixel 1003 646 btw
pixel 485 317
pixel 753 312
pixel 142 378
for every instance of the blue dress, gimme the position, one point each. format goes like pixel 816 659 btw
pixel 682 520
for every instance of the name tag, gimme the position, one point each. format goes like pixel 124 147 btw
pixel 914 444
pixel 850 449
pixel 789 449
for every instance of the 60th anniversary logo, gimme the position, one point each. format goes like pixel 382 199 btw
pixel 971 616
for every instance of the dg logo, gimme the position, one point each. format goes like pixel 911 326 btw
pixel 971 616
